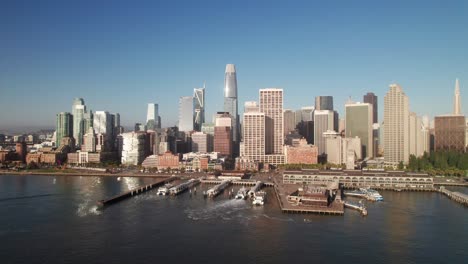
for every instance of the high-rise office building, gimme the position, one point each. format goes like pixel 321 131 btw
pixel 200 142
pixel 271 104
pixel 78 112
pixel 186 113
pixel 251 106
pixel 89 141
pixel 223 134
pixel 358 123
pixel 396 131
pixel 133 148
pixel 324 103
pixel 230 100
pixel 198 108
pixel 323 122
pixel 450 133
pixel 254 135
pixel 371 98
pixel 152 117
pixel 88 121
pixel 103 124
pixel 289 119
pixel 64 127
pixel 457 100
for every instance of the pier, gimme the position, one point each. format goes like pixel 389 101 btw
pixel 218 188
pixel 237 182
pixel 456 196
pixel 134 192
pixel 361 208
pixel 183 186
pixel 256 188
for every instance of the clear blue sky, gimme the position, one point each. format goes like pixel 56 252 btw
pixel 119 56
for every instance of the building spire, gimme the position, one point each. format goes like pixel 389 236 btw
pixel 457 103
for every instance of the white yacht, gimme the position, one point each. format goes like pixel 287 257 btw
pixel 259 198
pixel 242 193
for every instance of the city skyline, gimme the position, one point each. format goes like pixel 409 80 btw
pixel 317 57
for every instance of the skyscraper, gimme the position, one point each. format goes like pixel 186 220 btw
pixel 271 104
pixel 186 113
pixel 230 100
pixel 457 102
pixel 223 134
pixel 78 112
pixel 254 135
pixel 103 124
pixel 64 127
pixel 198 108
pixel 371 98
pixel 324 103
pixel 358 123
pixel 152 117
pixel 323 122
pixel 289 118
pixel 396 131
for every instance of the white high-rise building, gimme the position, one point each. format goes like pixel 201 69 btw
pixel 186 113
pixel 253 144
pixel 89 141
pixel 152 117
pixel 457 100
pixel 323 122
pixel 396 131
pixel 419 137
pixel 271 104
pixel 78 112
pixel 133 148
pixel 251 106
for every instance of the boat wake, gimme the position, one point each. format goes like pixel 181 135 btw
pixel 225 210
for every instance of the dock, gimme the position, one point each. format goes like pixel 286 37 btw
pixel 456 196
pixel 237 182
pixel 214 191
pixel 361 208
pixel 336 208
pixel 134 192
pixel 183 186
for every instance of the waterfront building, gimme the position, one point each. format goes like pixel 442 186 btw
pixel 152 117
pixel 64 127
pixel 301 153
pixel 168 160
pixel 323 122
pixel 359 124
pixel 198 108
pixel 78 112
pixel 133 148
pixel 230 102
pixel 271 104
pixel 396 132
pixel 289 119
pixel 372 99
pixel 186 113
pixel 324 103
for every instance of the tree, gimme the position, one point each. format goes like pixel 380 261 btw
pixel 401 166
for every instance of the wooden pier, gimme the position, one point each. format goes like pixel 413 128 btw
pixel 456 196
pixel 134 192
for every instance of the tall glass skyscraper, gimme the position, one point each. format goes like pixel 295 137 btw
pixel 152 117
pixel 198 108
pixel 78 112
pixel 64 127
pixel 324 103
pixel 230 100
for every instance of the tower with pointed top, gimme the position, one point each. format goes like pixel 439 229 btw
pixel 230 102
pixel 457 103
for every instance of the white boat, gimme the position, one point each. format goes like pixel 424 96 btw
pixel 164 190
pixel 372 194
pixel 259 198
pixel 242 193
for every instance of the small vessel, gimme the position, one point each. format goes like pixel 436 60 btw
pixel 372 195
pixel 118 178
pixel 259 198
pixel 164 190
pixel 242 193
